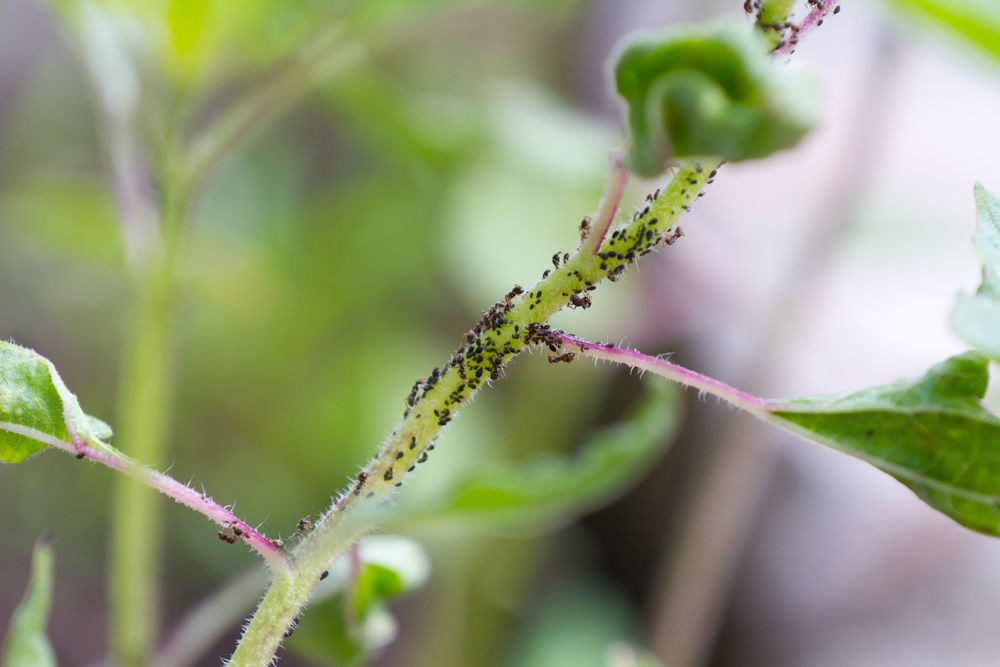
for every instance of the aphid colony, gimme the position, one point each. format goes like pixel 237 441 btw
pixel 510 325
pixel 499 335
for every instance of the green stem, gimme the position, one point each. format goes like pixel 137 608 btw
pixel 509 327
pixel 144 394
pixel 289 592
pixel 771 20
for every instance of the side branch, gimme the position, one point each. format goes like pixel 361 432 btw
pixel 233 528
pixel 661 367
pixel 596 229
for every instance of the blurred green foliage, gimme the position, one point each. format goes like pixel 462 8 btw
pixel 332 260
pixel 977 22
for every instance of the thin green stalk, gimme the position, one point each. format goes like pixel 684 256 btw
pixel 145 382
pixel 509 327
pixel 144 391
pixel 144 396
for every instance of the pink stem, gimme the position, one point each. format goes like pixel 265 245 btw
pixel 182 494
pixel 679 374
pixel 606 210
pixel 808 24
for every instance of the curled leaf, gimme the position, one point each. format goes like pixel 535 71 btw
pixel 696 93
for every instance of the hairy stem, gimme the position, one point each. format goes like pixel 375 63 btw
pixel 608 208
pixel 813 20
pixel 168 486
pixel 662 367
pixel 505 330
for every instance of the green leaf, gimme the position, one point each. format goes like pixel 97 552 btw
pixel 932 434
pixel 576 619
pixel 36 407
pixel 540 493
pixel 975 21
pixel 976 317
pixel 348 620
pixel 697 93
pixel 26 644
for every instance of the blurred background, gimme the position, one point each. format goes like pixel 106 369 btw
pixel 341 252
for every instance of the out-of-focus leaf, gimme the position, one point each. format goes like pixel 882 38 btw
pixel 975 21
pixel 976 317
pixel 932 434
pixel 576 623
pixel 36 407
pixel 621 654
pixel 696 93
pixel 543 492
pixel 348 620
pixel 27 644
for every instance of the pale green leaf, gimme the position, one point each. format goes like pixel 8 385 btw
pixel 932 434
pixel 26 644
pixel 349 620
pixel 693 92
pixel 540 493
pixel 976 317
pixel 36 407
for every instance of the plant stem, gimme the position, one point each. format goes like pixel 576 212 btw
pixel 145 380
pixel 608 208
pixel 505 330
pixel 662 367
pixel 168 486
pixel 772 18
pixel 812 21
pixel 144 396
pixel 135 549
